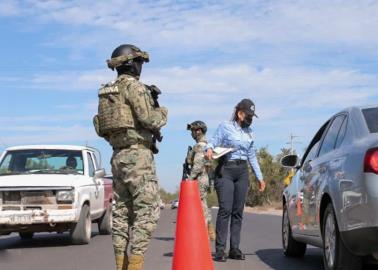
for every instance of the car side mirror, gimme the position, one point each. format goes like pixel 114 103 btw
pixel 290 161
pixel 99 173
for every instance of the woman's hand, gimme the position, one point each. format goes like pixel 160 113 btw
pixel 209 154
pixel 261 186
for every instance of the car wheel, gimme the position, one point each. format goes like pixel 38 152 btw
pixel 81 232
pixel 335 255
pixel 106 222
pixel 291 247
pixel 26 235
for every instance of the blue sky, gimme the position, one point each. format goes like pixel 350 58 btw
pixel 300 61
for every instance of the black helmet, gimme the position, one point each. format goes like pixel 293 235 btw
pixel 197 125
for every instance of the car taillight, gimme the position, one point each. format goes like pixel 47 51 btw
pixel 371 161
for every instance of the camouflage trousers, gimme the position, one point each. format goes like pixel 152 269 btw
pixel 203 183
pixel 136 192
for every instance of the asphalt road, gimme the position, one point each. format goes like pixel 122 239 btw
pixel 260 241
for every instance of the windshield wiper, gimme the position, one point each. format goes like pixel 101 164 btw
pixel 13 173
pixel 42 171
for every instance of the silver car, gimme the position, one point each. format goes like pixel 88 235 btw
pixel 332 201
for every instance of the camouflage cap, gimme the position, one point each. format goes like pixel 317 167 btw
pixel 120 60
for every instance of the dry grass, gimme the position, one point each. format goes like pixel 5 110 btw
pixel 274 208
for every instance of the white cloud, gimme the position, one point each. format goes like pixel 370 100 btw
pixel 9 8
pixel 275 90
pixel 47 135
pixel 71 81
pixel 220 24
pixel 46 118
pixel 213 90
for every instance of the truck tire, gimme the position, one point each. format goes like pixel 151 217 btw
pixel 26 235
pixel 105 224
pixel 81 231
pixel 291 247
pixel 335 254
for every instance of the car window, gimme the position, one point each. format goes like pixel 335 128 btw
pixel 371 118
pixel 42 161
pixel 314 141
pixel 4 168
pixel 91 169
pixel 312 153
pixel 342 132
pixel 331 136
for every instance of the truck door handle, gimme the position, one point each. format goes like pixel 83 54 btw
pixel 322 170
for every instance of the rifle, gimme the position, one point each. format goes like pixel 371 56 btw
pixel 212 176
pixel 156 134
pixel 186 167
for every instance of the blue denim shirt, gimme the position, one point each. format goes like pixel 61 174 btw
pixel 230 134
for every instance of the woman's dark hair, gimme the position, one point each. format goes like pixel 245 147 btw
pixel 235 116
pixel 244 105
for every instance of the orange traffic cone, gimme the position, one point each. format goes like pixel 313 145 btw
pixel 192 248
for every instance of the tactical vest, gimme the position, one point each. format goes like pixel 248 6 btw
pixel 191 154
pixel 114 114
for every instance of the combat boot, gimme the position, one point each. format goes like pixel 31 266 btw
pixel 136 262
pixel 211 232
pixel 121 262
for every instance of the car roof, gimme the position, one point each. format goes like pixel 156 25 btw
pixel 352 108
pixel 52 147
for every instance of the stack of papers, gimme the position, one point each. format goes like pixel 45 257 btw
pixel 221 151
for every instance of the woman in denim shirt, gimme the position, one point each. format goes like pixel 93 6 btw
pixel 232 181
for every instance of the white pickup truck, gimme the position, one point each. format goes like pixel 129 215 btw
pixel 51 188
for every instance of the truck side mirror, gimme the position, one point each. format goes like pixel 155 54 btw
pixel 99 173
pixel 290 161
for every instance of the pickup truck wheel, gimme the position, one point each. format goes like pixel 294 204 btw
pixel 81 232
pixel 26 235
pixel 335 255
pixel 291 247
pixel 106 222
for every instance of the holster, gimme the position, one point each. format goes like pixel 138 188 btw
pixel 219 168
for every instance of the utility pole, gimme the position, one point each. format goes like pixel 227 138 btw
pixel 292 142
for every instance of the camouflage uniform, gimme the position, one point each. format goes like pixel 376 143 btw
pixel 135 183
pixel 196 159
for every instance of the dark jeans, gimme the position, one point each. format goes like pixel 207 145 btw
pixel 232 190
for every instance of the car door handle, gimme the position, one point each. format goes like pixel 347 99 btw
pixel 322 170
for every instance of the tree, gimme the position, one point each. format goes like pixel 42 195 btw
pixel 166 196
pixel 273 174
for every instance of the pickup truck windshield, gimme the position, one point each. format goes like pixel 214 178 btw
pixel 38 161
pixel 371 117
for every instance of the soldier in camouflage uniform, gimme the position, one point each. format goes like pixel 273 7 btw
pixel 199 167
pixel 127 119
